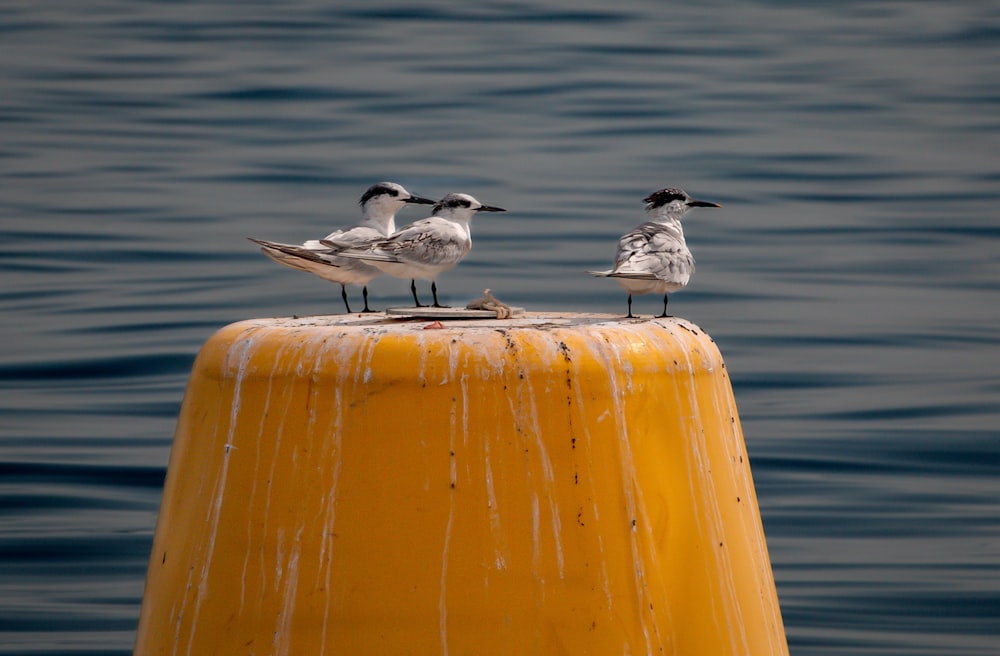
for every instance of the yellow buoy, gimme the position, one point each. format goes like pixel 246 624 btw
pixel 549 484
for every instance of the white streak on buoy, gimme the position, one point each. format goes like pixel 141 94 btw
pixel 257 477
pixel 283 633
pixel 609 351
pixel 219 492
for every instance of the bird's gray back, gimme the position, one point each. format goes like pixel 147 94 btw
pixel 656 249
pixel 428 242
pixel 356 236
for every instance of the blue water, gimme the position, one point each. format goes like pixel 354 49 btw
pixel 851 279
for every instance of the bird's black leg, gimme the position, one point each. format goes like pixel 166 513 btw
pixel 343 294
pixel 413 290
pixel 364 294
pixel 629 315
pixel 664 315
pixel 434 290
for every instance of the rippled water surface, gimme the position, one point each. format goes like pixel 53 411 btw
pixel 850 280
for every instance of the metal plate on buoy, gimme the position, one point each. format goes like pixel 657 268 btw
pixel 430 312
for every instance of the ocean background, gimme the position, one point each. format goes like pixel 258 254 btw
pixel 850 280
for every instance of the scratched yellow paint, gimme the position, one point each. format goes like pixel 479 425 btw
pixel 553 484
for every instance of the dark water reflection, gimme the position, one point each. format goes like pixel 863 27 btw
pixel 850 280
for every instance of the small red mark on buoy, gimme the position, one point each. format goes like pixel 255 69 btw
pixel 434 326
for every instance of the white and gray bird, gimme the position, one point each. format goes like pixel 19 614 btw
pixel 379 205
pixel 424 248
pixel 654 258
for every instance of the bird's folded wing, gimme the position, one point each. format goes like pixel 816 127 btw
pixel 370 255
pixel 290 249
pixel 267 244
pixel 633 275
pixel 356 236
pixel 429 249
pixel 336 244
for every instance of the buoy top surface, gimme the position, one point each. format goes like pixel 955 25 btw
pixel 537 339
pixel 457 318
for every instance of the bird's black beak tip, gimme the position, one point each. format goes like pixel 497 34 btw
pixel 420 200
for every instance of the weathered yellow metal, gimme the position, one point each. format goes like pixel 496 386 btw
pixel 552 484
